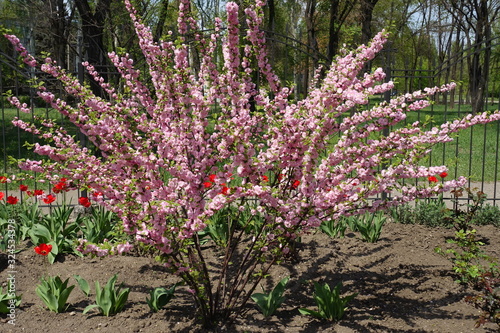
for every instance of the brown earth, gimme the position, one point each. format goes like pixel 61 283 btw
pixel 403 286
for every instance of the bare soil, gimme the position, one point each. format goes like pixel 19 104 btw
pixel 403 286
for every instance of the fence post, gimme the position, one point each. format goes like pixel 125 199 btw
pixel 81 77
pixel 387 95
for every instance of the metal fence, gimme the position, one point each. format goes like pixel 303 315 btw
pixel 475 153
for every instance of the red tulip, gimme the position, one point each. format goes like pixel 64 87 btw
pixel 225 190
pixel 12 200
pixel 85 202
pixel 43 249
pixel 49 199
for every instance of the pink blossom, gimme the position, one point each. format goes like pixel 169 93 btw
pixel 124 248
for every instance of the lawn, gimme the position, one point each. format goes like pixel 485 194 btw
pixel 473 153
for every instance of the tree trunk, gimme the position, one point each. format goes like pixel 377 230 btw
pixel 311 41
pixel 367 7
pixel 93 24
pixel 59 31
pixel 482 45
pixel 272 15
pixel 476 18
pixel 158 31
pixel 333 33
pixel 339 11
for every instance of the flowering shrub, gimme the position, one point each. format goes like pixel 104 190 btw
pixel 200 139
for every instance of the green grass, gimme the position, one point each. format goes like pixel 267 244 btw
pixel 472 154
pixel 474 151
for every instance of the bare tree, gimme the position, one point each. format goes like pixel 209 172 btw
pixel 475 18
pixel 366 12
pixel 162 18
pixel 46 25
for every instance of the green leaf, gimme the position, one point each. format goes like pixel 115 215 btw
pixel 160 297
pixel 53 253
pixel 310 313
pixel 54 293
pixel 111 282
pixel 90 307
pixel 110 300
pixel 83 284
pixel 121 300
pixel 105 303
pixel 269 303
pixel 330 304
pixel 40 234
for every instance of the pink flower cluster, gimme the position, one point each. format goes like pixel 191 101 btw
pixel 103 250
pixel 23 53
pixel 161 143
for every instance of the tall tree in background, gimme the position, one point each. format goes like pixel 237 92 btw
pixel 425 34
pixel 93 17
pixel 366 9
pixel 162 18
pixel 60 17
pixel 45 25
pixel 312 43
pixel 271 23
pixel 476 18
pixel 339 11
pixel 366 12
